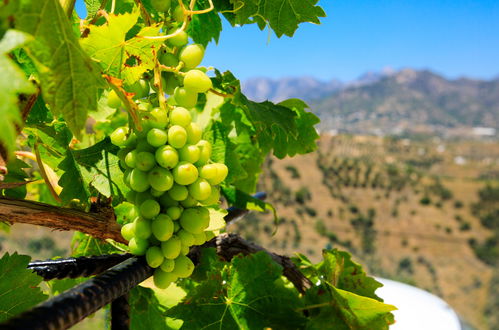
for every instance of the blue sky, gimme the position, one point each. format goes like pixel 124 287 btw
pixel 452 37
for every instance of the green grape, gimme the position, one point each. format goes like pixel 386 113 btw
pixel 189 202
pixel 200 189
pixel 145 161
pixel 176 227
pixel 119 136
pixel 177 136
pixel 162 227
pixel 138 246
pixel 138 180
pixel 180 116
pixel 185 98
pixel 161 5
pixel 142 228
pixel 171 247
pixel 113 100
pixel 140 89
pixel 195 220
pixel 208 171
pixel 199 239
pixel 149 209
pixel 183 267
pixel 130 196
pixel 168 59
pixel 194 133
pixel 154 256
pixel 141 197
pixel 214 197
pixel 167 265
pixel 158 118
pixel 126 176
pixel 222 172
pixel 178 192
pixel 174 212
pixel 186 237
pixel 189 153
pixel 160 178
pixel 155 193
pixel 191 55
pixel 178 14
pixel 209 235
pixel 166 201
pixel 179 39
pixel 197 81
pixel 128 231
pixel 185 173
pixel 131 159
pixel 205 152
pixel 156 137
pixel 162 280
pixel 144 146
pixel 167 156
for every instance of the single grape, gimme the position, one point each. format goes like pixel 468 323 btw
pixel 185 98
pixel 154 192
pixel 195 220
pixel 214 197
pixel 138 246
pixel 158 118
pixel 200 238
pixel 162 279
pixel 189 153
pixel 185 173
pixel 178 14
pixel 131 158
pixel 167 265
pixel 161 5
pixel 142 228
pixel 184 250
pixel 168 59
pixel 128 231
pixel 208 171
pixel 140 89
pixel 174 212
pixel 186 237
pixel 205 152
pixel 183 267
pixel 119 136
pixel 113 100
pixel 145 161
pixel 149 209
pixel 154 256
pixel 179 39
pixel 156 137
pixel 171 248
pixel 162 227
pixel 200 189
pixel 191 55
pixel 222 172
pixel 197 81
pixel 189 202
pixel 178 192
pixel 126 177
pixel 166 201
pixel 194 133
pixel 177 136
pixel 141 197
pixel 160 178
pixel 180 116
pixel 167 156
pixel 138 180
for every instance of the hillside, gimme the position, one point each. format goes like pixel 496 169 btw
pixel 403 208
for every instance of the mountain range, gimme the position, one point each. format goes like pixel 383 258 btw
pixel 391 102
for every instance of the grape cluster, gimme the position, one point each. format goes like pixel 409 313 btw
pixel 167 165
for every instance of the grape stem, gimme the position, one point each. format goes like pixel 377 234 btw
pixel 144 13
pixel 220 93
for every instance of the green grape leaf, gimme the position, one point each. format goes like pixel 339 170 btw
pixel 69 78
pixel 244 296
pixel 97 167
pixel 18 286
pixel 217 220
pixel 205 27
pixel 16 175
pixel 13 83
pixel 92 7
pixel 145 310
pixel 283 16
pixel 120 57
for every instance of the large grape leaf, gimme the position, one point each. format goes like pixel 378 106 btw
pixel 69 78
pixel 243 296
pixel 97 167
pixel 92 7
pixel 18 286
pixel 118 56
pixel 283 16
pixel 145 310
pixel 13 83
pixel 205 27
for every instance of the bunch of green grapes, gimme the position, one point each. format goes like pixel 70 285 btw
pixel 167 164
